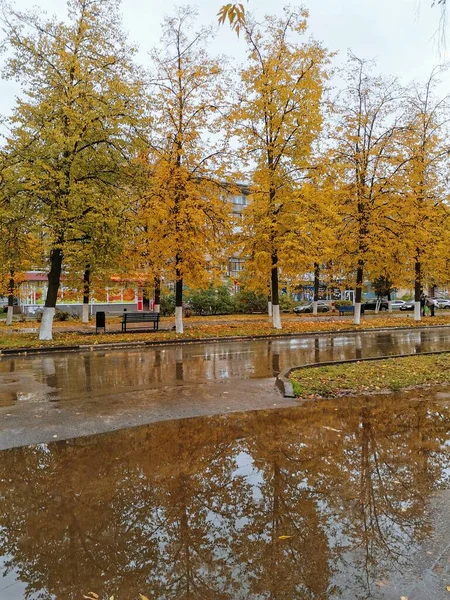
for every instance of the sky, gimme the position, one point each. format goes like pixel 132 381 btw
pixel 401 35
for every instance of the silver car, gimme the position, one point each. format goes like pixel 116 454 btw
pixel 308 308
pixel 442 303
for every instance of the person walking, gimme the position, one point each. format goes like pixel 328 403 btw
pixel 431 305
pixel 422 303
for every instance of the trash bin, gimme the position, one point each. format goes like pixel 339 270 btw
pixel 100 321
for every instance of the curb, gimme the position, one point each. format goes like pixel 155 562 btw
pixel 121 345
pixel 284 384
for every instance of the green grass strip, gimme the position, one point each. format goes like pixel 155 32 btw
pixel 392 374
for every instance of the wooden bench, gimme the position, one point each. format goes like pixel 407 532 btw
pixel 346 310
pixel 140 317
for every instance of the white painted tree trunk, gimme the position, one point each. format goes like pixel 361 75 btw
pixel 179 319
pixel 389 306
pixel 46 333
pixel 417 313
pixel 269 309
pixel 157 308
pixel 85 313
pixel 357 316
pixel 9 315
pixel 276 316
pixel 315 304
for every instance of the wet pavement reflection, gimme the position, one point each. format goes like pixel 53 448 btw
pixel 70 376
pixel 330 500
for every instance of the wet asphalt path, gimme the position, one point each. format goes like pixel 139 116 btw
pixel 60 396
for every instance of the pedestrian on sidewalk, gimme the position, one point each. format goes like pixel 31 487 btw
pixel 422 303
pixel 431 305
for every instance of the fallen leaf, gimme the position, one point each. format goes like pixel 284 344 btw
pixel 285 537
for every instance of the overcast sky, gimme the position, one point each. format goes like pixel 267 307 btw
pixel 400 34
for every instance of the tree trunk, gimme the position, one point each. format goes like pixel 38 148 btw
pixel 269 306
pixel 316 287
pixel 358 292
pixel 9 316
pixel 157 305
pixel 417 287
pixel 178 298
pixel 275 300
pixel 54 279
pixel 86 294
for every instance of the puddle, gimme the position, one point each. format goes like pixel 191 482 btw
pixel 330 500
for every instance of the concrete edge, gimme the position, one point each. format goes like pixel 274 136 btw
pixel 284 384
pixel 7 352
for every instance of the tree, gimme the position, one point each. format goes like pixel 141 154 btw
pixel 20 246
pixel 184 214
pixel 73 127
pixel 367 166
pixel 277 119
pixel 425 188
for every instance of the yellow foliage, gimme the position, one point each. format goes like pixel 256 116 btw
pixel 277 119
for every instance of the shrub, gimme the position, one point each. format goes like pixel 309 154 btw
pixel 167 305
pixel 249 302
pixel 286 303
pixel 61 315
pixel 215 301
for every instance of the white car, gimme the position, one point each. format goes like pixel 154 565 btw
pixel 397 304
pixel 442 303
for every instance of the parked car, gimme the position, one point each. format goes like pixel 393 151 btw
pixel 442 303
pixel 308 308
pixel 397 304
pixel 408 305
pixel 4 303
pixel 372 304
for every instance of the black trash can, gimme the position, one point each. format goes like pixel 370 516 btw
pixel 100 321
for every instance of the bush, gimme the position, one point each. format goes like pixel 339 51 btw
pixel 167 306
pixel 286 303
pixel 61 315
pixel 212 301
pixel 249 302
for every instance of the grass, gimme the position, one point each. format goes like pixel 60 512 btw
pixel 392 374
pixel 77 333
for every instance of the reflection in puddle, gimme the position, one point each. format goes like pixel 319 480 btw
pixel 333 499
pixel 74 376
pixel 8 398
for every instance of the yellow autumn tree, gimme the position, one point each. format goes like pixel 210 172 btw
pixel 425 209
pixel 20 248
pixel 368 167
pixel 311 219
pixel 74 121
pixel 183 214
pixel 277 118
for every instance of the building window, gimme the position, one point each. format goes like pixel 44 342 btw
pixel 241 199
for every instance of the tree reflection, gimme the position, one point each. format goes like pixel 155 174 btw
pixel 316 502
